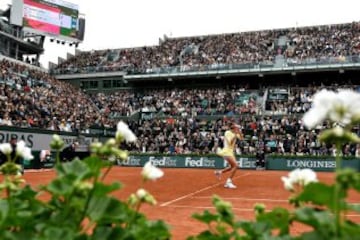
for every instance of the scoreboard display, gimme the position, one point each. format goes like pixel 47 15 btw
pixel 54 18
pixel 51 17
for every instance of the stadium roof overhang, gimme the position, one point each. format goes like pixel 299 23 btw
pixel 244 72
pixel 24 46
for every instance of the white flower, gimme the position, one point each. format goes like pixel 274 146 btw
pixel 339 107
pixel 345 107
pixel 23 151
pixel 112 158
pixel 56 138
pixel 56 143
pixel 111 142
pixel 324 99
pixel 287 183
pixel 5 148
pixel 301 177
pixel 338 131
pixel 307 176
pixel 150 172
pixel 124 131
pixel 314 117
pixel 350 100
pixel 294 175
pixel 141 193
pixel 321 105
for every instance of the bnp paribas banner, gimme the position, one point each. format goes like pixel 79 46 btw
pixel 272 163
pixel 41 141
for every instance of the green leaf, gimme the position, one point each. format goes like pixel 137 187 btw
pixel 101 189
pixel 353 206
pixel 312 236
pixel 62 186
pixel 207 217
pixel 107 232
pixel 278 218
pixel 106 209
pixel 224 209
pixel 59 233
pixel 316 218
pixel 4 210
pixel 74 168
pixel 95 164
pixel 319 194
pixel 207 235
pixel 255 229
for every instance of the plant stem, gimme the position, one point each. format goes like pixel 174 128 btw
pixel 57 157
pixel 136 211
pixel 106 172
pixel 337 191
pixel 90 195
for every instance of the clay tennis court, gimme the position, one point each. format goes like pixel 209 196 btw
pixel 182 192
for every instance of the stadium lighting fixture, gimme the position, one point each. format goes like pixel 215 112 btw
pixel 293 73
pixel 341 71
pixel 261 75
pixel 170 79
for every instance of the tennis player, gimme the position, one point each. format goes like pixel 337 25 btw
pixel 228 153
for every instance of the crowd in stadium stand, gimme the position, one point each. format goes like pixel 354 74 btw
pixel 183 120
pixel 179 102
pixel 305 45
pixel 31 98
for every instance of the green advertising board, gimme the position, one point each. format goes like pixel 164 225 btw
pixel 272 163
pixel 38 140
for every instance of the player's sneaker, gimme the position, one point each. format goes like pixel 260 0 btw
pixel 229 185
pixel 217 174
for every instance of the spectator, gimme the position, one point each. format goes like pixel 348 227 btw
pixel 260 161
pixel 69 152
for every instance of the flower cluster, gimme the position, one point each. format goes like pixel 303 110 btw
pixel 150 172
pixel 300 177
pixel 342 107
pixel 22 151
pixel 111 149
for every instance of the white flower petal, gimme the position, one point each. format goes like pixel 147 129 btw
pixel 338 131
pixel 20 147
pixel 141 193
pixel 151 172
pixel 324 99
pixel 23 151
pixel 294 175
pixel 287 183
pixel 308 176
pixel 124 130
pixel 27 155
pixel 5 148
pixel 314 117
pixel 301 177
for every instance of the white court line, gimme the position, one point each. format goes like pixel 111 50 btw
pixel 198 207
pixel 239 209
pixel 39 170
pixel 254 199
pixel 198 191
pixel 250 199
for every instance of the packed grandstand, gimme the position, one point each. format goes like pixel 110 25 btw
pixel 171 117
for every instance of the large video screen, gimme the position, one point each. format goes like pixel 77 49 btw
pixel 52 17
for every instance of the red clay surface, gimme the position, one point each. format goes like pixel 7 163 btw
pixel 182 192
